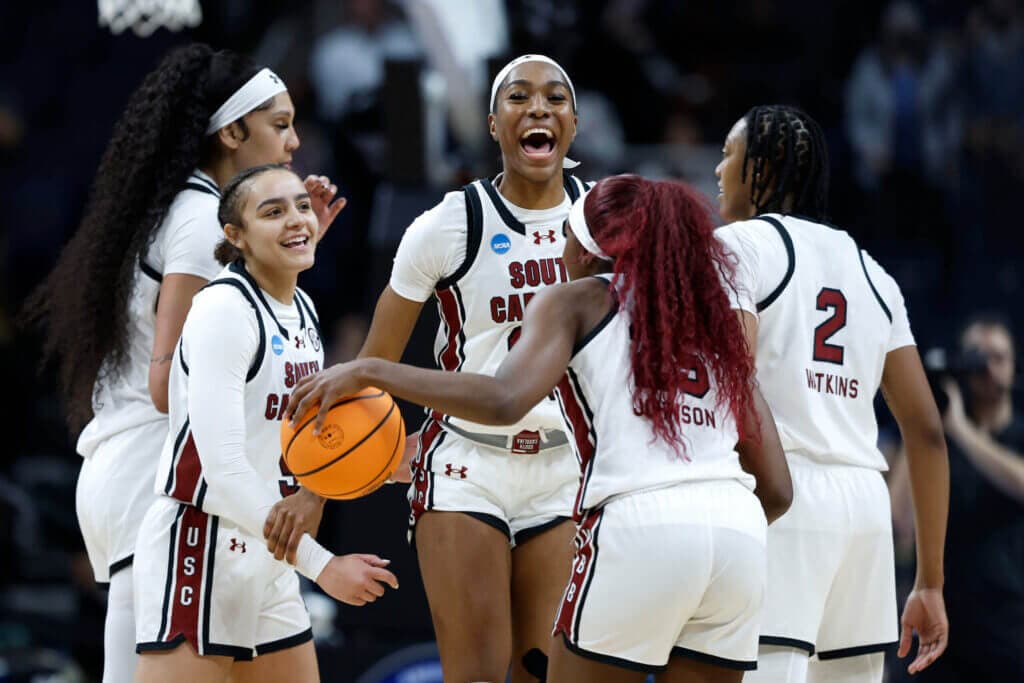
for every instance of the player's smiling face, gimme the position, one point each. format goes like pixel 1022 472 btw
pixel 533 121
pixel 279 225
pixel 734 193
pixel 272 137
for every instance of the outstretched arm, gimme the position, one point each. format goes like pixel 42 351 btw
pixel 909 397
pixel 531 370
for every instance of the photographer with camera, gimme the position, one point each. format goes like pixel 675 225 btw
pixel 985 538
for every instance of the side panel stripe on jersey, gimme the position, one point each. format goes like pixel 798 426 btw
pixel 453 315
pixel 149 271
pixel 178 440
pixel 790 253
pixel 881 302
pixel 187 470
pixel 580 420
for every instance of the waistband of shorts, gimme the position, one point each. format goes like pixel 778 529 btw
pixel 503 442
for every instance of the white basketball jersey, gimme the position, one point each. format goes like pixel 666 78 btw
pixel 289 348
pixel 617 449
pixel 184 243
pixel 481 305
pixel 824 329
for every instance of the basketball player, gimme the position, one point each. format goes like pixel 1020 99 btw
pixel 651 373
pixel 207 590
pixel 829 326
pixel 114 304
pixel 491 504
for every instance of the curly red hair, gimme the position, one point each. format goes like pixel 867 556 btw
pixel 670 268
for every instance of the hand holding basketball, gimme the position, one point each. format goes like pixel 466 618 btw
pixel 322 388
pixel 356 579
pixel 358 448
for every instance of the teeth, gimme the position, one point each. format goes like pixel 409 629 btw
pixel 296 241
pixel 534 131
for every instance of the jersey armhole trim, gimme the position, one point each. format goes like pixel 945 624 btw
pixel 193 185
pixel 258 359
pixel 150 271
pixel 881 302
pixel 474 234
pixel 791 255
pixel 601 324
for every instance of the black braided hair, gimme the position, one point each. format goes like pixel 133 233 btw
pixel 790 161
pixel 82 305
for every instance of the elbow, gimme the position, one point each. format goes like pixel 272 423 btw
pixel 777 500
pixel 507 410
pixel 159 397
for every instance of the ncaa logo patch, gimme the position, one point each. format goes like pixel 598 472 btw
pixel 500 243
pixel 277 345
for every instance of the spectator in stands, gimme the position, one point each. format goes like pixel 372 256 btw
pixel 985 539
pixel 901 122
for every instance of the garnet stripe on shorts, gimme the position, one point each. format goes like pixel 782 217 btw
pixel 583 568
pixel 186 591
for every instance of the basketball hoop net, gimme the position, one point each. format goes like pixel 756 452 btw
pixel 146 16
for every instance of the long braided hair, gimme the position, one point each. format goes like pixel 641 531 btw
pixel 787 150
pixel 82 305
pixel 670 268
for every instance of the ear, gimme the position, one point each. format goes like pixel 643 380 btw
pixel 575 126
pixel 230 136
pixel 492 127
pixel 234 234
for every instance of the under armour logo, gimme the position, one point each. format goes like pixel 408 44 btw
pixel 537 237
pixel 450 471
pixel 235 545
pixel 274 78
pixel 300 343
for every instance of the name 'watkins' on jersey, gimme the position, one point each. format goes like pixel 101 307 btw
pixel 278 344
pixel 828 315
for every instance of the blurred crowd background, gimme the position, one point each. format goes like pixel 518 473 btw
pixel 922 102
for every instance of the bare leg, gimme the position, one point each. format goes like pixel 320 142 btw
pixel 540 572
pixel 466 568
pixel 686 670
pixel 296 664
pixel 566 666
pixel 182 663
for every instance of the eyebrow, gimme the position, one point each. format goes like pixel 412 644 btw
pixel 280 200
pixel 523 81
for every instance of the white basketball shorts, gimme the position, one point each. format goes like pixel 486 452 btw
pixel 199 578
pixel 114 490
pixel 520 495
pixel 677 571
pixel 831 565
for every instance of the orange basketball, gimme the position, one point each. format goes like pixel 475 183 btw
pixel 358 448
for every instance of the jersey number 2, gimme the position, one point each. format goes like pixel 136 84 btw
pixel 830 299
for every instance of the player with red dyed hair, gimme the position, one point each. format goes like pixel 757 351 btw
pixel 675 443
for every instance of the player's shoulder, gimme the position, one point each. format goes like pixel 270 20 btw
pixel 448 213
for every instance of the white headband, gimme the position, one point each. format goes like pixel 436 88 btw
pixel 579 227
pixel 255 92
pixel 503 74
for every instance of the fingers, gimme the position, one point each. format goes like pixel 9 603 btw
pixel 268 525
pixel 276 539
pixel 302 399
pixel 293 544
pixel 384 576
pixel 372 560
pixel 906 636
pixel 321 415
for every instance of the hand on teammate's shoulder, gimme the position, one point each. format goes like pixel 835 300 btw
pixel 356 579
